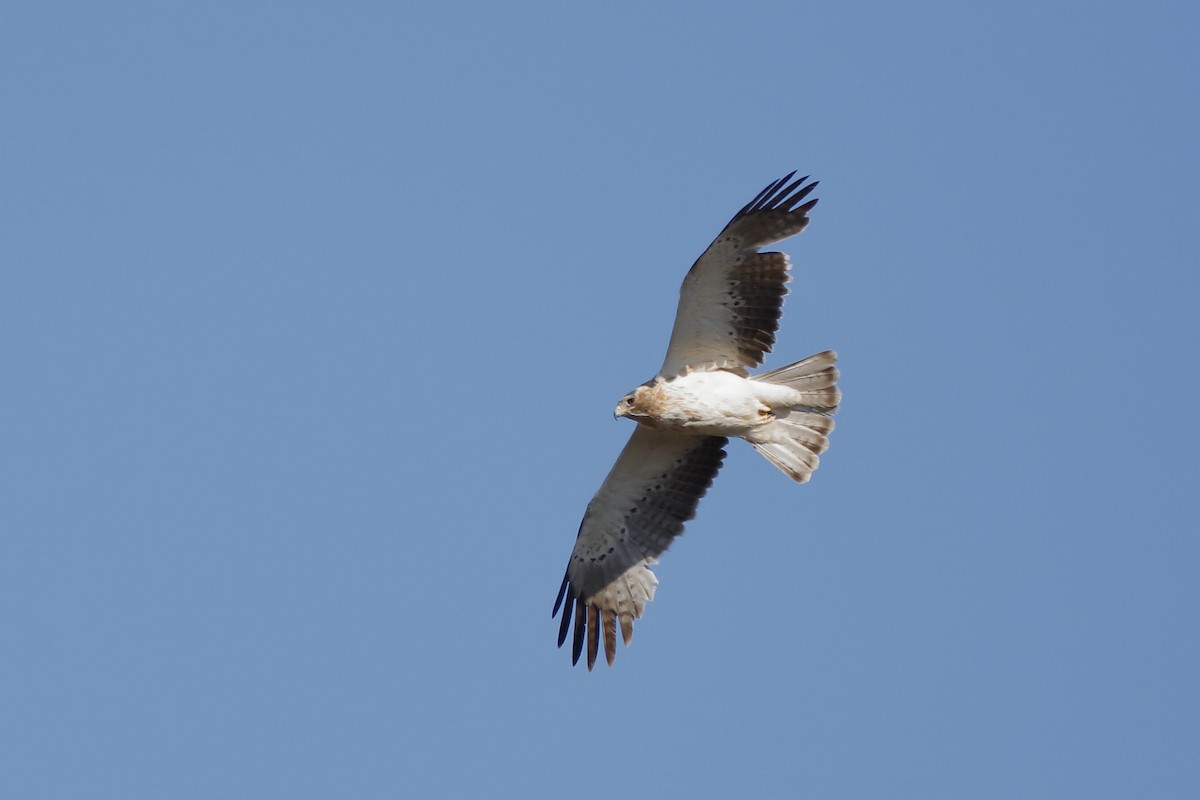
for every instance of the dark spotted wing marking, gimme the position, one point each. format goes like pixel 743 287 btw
pixel 732 298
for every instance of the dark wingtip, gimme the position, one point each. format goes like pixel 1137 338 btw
pixel 780 194
pixel 565 625
pixel 580 628
pixel 762 196
pixel 791 198
pixel 562 592
pixel 773 196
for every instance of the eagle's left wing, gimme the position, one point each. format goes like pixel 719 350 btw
pixel 652 489
pixel 731 299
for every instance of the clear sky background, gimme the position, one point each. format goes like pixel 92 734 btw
pixel 313 317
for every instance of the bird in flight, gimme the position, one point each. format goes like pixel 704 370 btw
pixel 729 308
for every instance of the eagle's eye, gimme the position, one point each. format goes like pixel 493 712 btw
pixel 629 400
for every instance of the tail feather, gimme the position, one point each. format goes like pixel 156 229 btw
pixel 799 433
pixel 793 446
pixel 815 378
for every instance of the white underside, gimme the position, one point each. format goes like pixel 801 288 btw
pixel 722 404
pixel 784 413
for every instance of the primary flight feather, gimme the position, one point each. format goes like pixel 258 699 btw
pixel 729 308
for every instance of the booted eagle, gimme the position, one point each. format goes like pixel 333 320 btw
pixel 729 307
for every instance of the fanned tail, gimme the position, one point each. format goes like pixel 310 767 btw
pixel 816 375
pixel 800 432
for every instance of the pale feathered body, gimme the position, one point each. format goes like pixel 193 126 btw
pixel 718 403
pixel 729 309
pixel 715 403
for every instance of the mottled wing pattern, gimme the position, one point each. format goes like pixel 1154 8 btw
pixel 731 299
pixel 652 489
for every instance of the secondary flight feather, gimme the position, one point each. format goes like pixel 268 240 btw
pixel 729 309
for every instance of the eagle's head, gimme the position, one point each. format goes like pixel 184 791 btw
pixel 635 405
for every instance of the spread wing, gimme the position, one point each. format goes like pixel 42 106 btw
pixel 652 489
pixel 730 301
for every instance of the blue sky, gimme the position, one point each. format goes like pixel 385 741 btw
pixel 312 320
